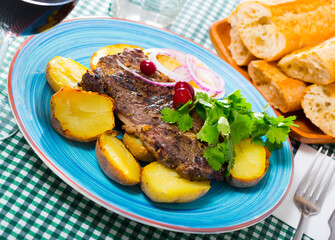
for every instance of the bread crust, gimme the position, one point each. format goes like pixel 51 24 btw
pixel 271 30
pixel 318 103
pixel 239 53
pixel 282 92
pixel 314 64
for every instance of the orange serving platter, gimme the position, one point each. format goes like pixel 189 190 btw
pixel 307 132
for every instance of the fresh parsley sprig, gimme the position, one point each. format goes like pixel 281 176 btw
pixel 181 116
pixel 227 123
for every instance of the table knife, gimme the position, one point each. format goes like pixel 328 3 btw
pixel 331 223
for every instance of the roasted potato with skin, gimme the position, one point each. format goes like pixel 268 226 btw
pixel 116 161
pixel 108 50
pixel 81 116
pixel 251 164
pixel 135 146
pixel 162 184
pixel 61 72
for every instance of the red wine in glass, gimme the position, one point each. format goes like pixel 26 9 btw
pixel 28 17
pixel 22 18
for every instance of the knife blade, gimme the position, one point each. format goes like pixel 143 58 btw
pixel 331 223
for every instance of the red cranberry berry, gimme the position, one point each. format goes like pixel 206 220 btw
pixel 184 85
pixel 147 67
pixel 181 96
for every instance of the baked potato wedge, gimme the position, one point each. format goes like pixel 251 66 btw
pixel 81 116
pixel 116 161
pixel 251 164
pixel 162 184
pixel 135 146
pixel 108 50
pixel 61 72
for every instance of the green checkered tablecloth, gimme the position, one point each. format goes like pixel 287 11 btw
pixel 37 204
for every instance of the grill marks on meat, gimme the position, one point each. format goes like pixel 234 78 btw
pixel 138 105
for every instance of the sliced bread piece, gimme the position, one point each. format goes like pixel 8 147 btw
pixel 239 53
pixel 314 64
pixel 280 91
pixel 318 103
pixel 272 29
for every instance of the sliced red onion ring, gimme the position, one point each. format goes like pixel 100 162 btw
pixel 180 70
pixel 210 78
pixel 179 56
pixel 164 84
pixel 206 79
pixel 191 69
pixel 183 71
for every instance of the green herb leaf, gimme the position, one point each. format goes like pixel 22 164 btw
pixel 221 153
pixel 272 146
pixel 237 102
pixel 228 122
pixel 230 155
pixel 181 117
pixel 223 126
pixel 257 140
pixel 185 122
pixel 277 134
pixel 169 115
pixel 209 132
pixel 278 128
pixel 215 157
pixel 204 99
pixel 201 111
pixel 241 127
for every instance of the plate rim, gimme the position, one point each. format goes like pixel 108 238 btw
pixel 101 202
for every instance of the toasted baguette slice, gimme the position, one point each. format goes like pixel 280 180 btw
pixel 239 53
pixel 282 92
pixel 314 64
pixel 318 103
pixel 272 29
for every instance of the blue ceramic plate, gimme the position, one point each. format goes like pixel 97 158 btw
pixel 222 209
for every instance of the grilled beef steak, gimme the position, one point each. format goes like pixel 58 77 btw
pixel 138 105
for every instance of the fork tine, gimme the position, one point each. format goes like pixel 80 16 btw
pixel 320 183
pixel 327 182
pixel 306 179
pixel 307 204
pixel 316 177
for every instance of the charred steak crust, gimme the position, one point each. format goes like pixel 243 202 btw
pixel 138 105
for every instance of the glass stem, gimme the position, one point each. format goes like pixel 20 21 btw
pixel 7 126
pixel 5 40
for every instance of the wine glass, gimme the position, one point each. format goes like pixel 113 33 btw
pixel 23 18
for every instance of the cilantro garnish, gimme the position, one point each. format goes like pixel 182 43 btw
pixel 181 116
pixel 227 123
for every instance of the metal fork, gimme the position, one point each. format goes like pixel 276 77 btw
pixel 312 190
